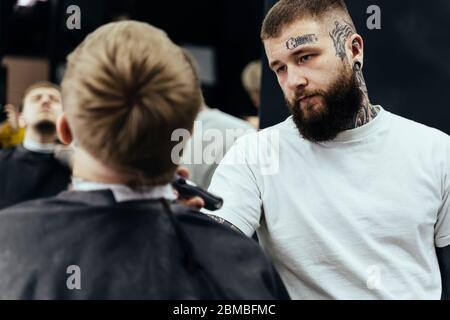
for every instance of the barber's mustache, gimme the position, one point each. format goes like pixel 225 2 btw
pixel 307 93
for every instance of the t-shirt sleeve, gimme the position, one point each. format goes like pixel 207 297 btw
pixel 442 229
pixel 234 180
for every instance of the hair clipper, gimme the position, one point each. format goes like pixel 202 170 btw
pixel 187 189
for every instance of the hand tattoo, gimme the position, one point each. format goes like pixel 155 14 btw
pixel 224 222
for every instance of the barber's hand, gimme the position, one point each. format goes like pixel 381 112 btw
pixel 195 202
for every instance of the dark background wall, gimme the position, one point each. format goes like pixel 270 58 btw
pixel 407 62
pixel 230 28
pixel 2 69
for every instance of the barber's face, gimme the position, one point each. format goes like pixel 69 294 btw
pixel 319 85
pixel 41 105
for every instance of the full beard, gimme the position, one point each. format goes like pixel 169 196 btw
pixel 343 100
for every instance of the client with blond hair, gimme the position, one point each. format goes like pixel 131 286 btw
pixel 118 234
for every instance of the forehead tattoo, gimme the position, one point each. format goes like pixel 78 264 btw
pixel 293 43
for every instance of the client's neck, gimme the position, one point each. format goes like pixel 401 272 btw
pixel 88 168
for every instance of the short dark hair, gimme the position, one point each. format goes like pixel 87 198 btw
pixel 286 12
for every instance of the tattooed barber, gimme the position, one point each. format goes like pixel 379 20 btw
pixel 351 201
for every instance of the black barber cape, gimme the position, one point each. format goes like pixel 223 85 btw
pixel 146 249
pixel 27 175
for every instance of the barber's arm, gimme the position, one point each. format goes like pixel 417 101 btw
pixel 235 180
pixel 443 255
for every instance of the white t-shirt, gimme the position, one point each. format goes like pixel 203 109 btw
pixel 355 218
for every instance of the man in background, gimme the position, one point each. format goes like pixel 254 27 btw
pixel 30 170
pixel 251 81
pixel 214 133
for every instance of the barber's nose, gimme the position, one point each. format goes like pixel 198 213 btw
pixel 296 80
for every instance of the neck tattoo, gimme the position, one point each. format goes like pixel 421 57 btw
pixel 367 112
pixel 341 32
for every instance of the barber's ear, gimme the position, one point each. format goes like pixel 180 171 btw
pixel 63 129
pixel 356 44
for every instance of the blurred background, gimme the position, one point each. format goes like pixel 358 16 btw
pixel 407 64
pixel 224 38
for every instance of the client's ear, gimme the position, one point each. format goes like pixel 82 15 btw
pixel 63 129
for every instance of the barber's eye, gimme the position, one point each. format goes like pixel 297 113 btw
pixel 280 69
pixel 305 58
